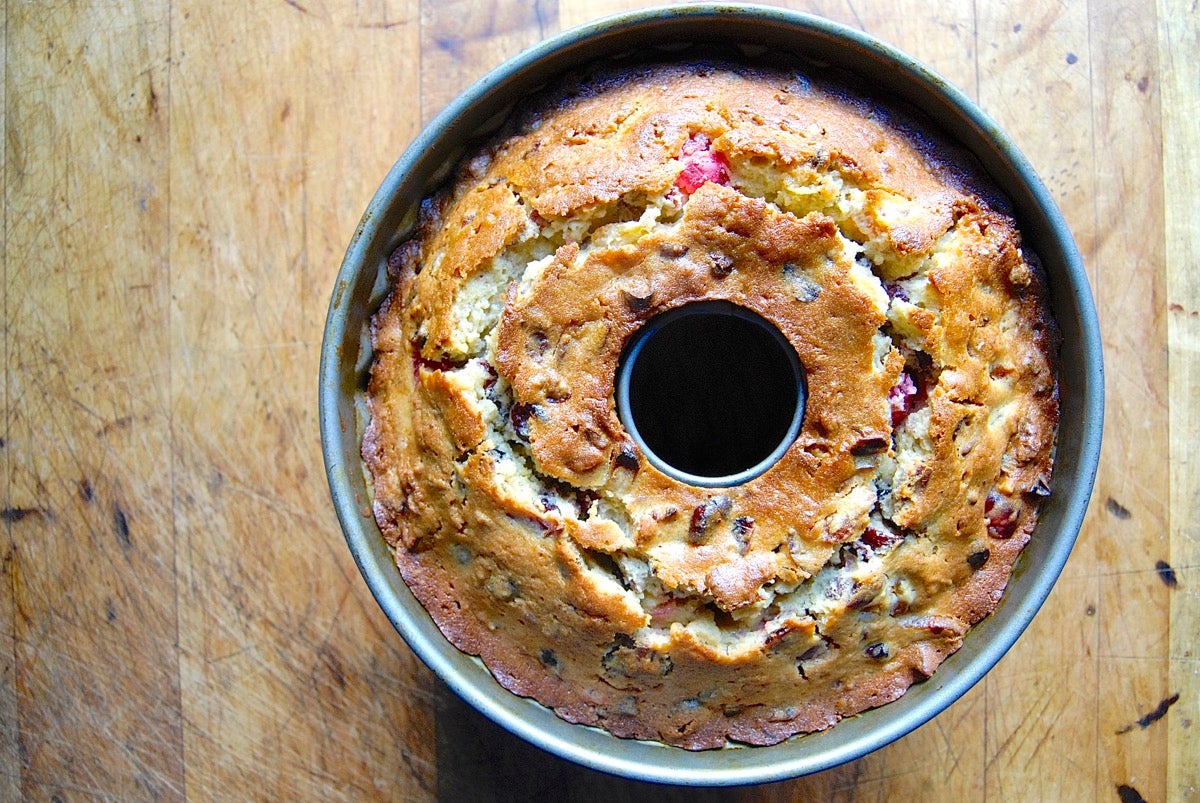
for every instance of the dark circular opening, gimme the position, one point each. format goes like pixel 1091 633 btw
pixel 713 392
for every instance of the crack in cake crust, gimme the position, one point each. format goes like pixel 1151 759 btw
pixel 528 522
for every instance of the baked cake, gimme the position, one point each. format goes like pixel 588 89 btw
pixel 534 530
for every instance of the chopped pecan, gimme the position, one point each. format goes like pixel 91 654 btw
pixel 976 560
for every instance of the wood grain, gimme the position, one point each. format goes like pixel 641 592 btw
pixel 1179 59
pixel 180 616
pixel 1133 603
pixel 89 491
pixel 10 734
pixel 293 687
pixel 463 39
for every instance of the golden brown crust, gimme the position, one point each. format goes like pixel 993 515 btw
pixel 537 535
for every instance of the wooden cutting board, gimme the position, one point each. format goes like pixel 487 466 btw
pixel 180 616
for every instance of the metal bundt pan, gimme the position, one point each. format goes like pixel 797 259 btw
pixel 361 284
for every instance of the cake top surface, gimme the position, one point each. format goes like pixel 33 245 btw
pixel 535 530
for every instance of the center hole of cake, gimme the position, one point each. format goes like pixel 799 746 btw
pixel 712 392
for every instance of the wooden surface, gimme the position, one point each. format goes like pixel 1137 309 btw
pixel 179 614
